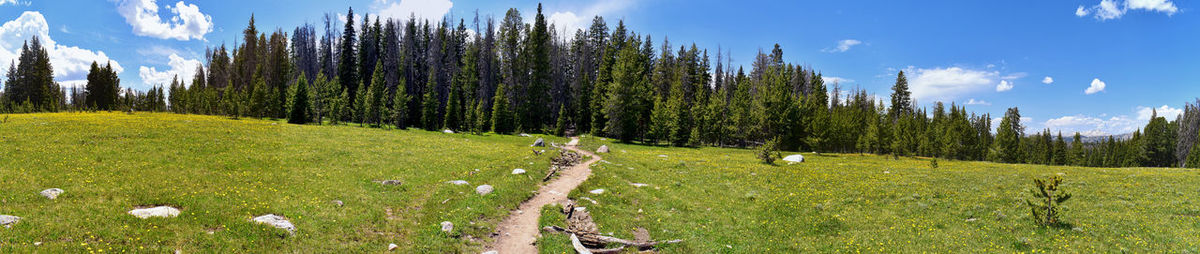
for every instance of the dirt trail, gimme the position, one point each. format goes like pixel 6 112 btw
pixel 519 231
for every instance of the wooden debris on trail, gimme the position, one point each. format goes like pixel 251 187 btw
pixel 586 237
pixel 565 159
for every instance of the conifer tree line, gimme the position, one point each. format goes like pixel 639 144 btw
pixel 511 75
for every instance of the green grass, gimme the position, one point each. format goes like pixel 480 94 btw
pixel 725 201
pixel 222 172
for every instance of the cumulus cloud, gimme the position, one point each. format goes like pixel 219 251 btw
pixel 1096 87
pixel 187 22
pixel 432 10
pixel 972 101
pixel 1114 9
pixel 571 20
pixel 1047 80
pixel 1004 86
pixel 832 79
pixel 185 69
pixel 1144 113
pixel 70 63
pixel 947 84
pixel 1104 125
pixel 843 46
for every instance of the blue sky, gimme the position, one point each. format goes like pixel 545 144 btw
pixel 1110 61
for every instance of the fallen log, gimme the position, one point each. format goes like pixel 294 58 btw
pixel 606 239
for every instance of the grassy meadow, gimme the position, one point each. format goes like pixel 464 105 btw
pixel 725 201
pixel 222 172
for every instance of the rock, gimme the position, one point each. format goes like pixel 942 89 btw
pixel 8 220
pixel 392 247
pixel 158 211
pixel 524 135
pixel 447 226
pixel 458 182
pixel 1077 229
pixel 639 185
pixel 52 193
pixel 597 191
pixel 276 221
pixel 339 203
pixel 390 182
pixel 484 189
pixel 971 219
pixel 662 155
pixel 794 158
pixel 37 243
pixel 602 149
pixel 448 131
pixel 490 252
pixel 539 142
pixel 518 171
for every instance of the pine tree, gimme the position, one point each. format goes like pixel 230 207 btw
pixel 400 106
pixel 452 119
pixel 348 60
pixel 299 108
pixel 1008 137
pixel 376 105
pixel 429 106
pixel 502 118
pixel 560 125
pixel 627 101
pixel 359 110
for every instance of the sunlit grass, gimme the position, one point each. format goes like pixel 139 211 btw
pixel 725 200
pixel 222 172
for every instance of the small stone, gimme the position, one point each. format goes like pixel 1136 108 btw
pixel 8 220
pixel 484 189
pixel 458 182
pixel 392 247
pixel 602 149
pixel 339 203
pixel 639 185
pixel 490 252
pixel 158 211
pixel 52 193
pixel 390 182
pixel 1077 229
pixel 539 142
pixel 971 219
pixel 662 155
pixel 518 171
pixel 447 226
pixel 276 221
pixel 794 158
pixel 524 135
pixel 37 243
pixel 448 131
pixel 597 191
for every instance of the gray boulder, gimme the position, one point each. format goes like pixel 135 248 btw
pixel 484 189
pixel 52 193
pixel 8 220
pixel 276 221
pixel 160 211
pixel 447 226
pixel 518 171
pixel 458 182
pixel 390 182
pixel 539 142
pixel 795 158
pixel 602 149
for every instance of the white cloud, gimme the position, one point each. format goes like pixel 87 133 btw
pixel 1047 80
pixel 947 84
pixel 184 68
pixel 15 2
pixel 1114 9
pixel 1004 86
pixel 972 101
pixel 569 21
pixel 843 46
pixel 1168 112
pixel 832 79
pixel 1104 125
pixel 186 24
pixel 70 63
pixel 1096 87
pixel 432 10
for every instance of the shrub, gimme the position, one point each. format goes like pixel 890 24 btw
pixel 769 151
pixel 1048 198
pixel 933 163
